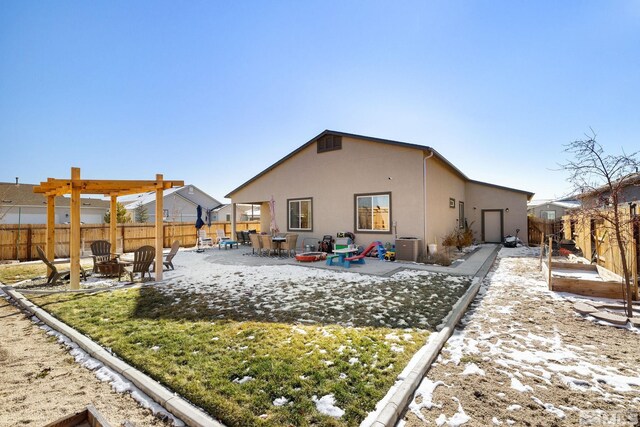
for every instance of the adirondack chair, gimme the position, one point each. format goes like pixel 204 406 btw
pixel 168 258
pixel 142 259
pixel 100 252
pixel 56 275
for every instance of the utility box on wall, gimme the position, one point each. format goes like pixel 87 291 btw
pixel 408 248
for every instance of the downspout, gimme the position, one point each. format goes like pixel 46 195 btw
pixel 424 195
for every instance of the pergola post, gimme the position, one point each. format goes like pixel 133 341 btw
pixel 159 225
pixel 75 229
pixel 113 224
pixel 233 222
pixel 50 247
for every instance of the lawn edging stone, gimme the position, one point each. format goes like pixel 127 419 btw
pixel 176 405
pixel 401 394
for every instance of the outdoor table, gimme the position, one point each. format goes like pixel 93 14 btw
pixel 227 244
pixel 342 254
pixel 278 240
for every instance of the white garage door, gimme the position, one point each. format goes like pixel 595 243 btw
pixel 492 226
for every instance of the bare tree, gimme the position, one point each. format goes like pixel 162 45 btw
pixel 601 179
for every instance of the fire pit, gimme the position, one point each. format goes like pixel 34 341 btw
pixel 111 268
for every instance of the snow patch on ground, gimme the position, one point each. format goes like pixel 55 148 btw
pixel 327 405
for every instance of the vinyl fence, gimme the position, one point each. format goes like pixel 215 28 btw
pixel 18 242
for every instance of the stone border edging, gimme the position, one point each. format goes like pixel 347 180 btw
pixel 395 406
pixel 181 408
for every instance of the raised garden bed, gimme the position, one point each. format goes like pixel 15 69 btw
pixel 88 417
pixel 584 279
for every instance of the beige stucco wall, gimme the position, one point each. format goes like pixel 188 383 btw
pixel 481 196
pixel 442 184
pixel 333 178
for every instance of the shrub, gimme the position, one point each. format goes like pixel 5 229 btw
pixel 442 259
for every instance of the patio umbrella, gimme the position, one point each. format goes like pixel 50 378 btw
pixel 199 221
pixel 199 224
pixel 272 210
pixel 209 214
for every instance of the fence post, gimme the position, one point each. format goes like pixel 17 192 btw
pixel 122 234
pixel 541 250
pixel 550 253
pixel 29 239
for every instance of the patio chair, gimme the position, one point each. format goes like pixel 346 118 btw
pixel 142 259
pixel 56 275
pixel 100 252
pixel 267 244
pixel 221 236
pixel 203 240
pixel 256 243
pixel 168 258
pixel 290 244
pixel 241 237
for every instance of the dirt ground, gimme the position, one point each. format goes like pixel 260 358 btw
pixel 523 357
pixel 40 382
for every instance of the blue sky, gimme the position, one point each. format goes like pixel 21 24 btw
pixel 215 92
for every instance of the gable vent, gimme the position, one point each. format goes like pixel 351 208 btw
pixel 329 143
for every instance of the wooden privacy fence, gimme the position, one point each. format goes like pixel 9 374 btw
pixel 18 242
pixel 538 227
pixel 597 240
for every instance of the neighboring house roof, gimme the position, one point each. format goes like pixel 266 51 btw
pixel 145 198
pixel 562 204
pixel 378 140
pixel 23 195
pixel 627 181
pixel 133 200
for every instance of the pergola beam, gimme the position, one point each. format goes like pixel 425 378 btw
pixel 94 186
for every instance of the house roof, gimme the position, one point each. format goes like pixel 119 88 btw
pixel 372 139
pixel 150 197
pixel 23 195
pixel 144 198
pixel 632 179
pixel 566 204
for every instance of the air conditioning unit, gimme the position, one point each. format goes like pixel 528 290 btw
pixel 408 248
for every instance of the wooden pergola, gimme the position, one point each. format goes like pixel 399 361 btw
pixel 113 188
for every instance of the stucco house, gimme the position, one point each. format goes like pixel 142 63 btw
pixel 243 213
pixel 19 204
pixel 179 204
pixel 551 209
pixel 380 190
pixel 627 189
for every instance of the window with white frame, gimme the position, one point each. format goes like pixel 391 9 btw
pixel 300 214
pixel 373 212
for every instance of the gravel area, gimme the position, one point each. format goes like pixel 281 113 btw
pixel 523 356
pixel 40 382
